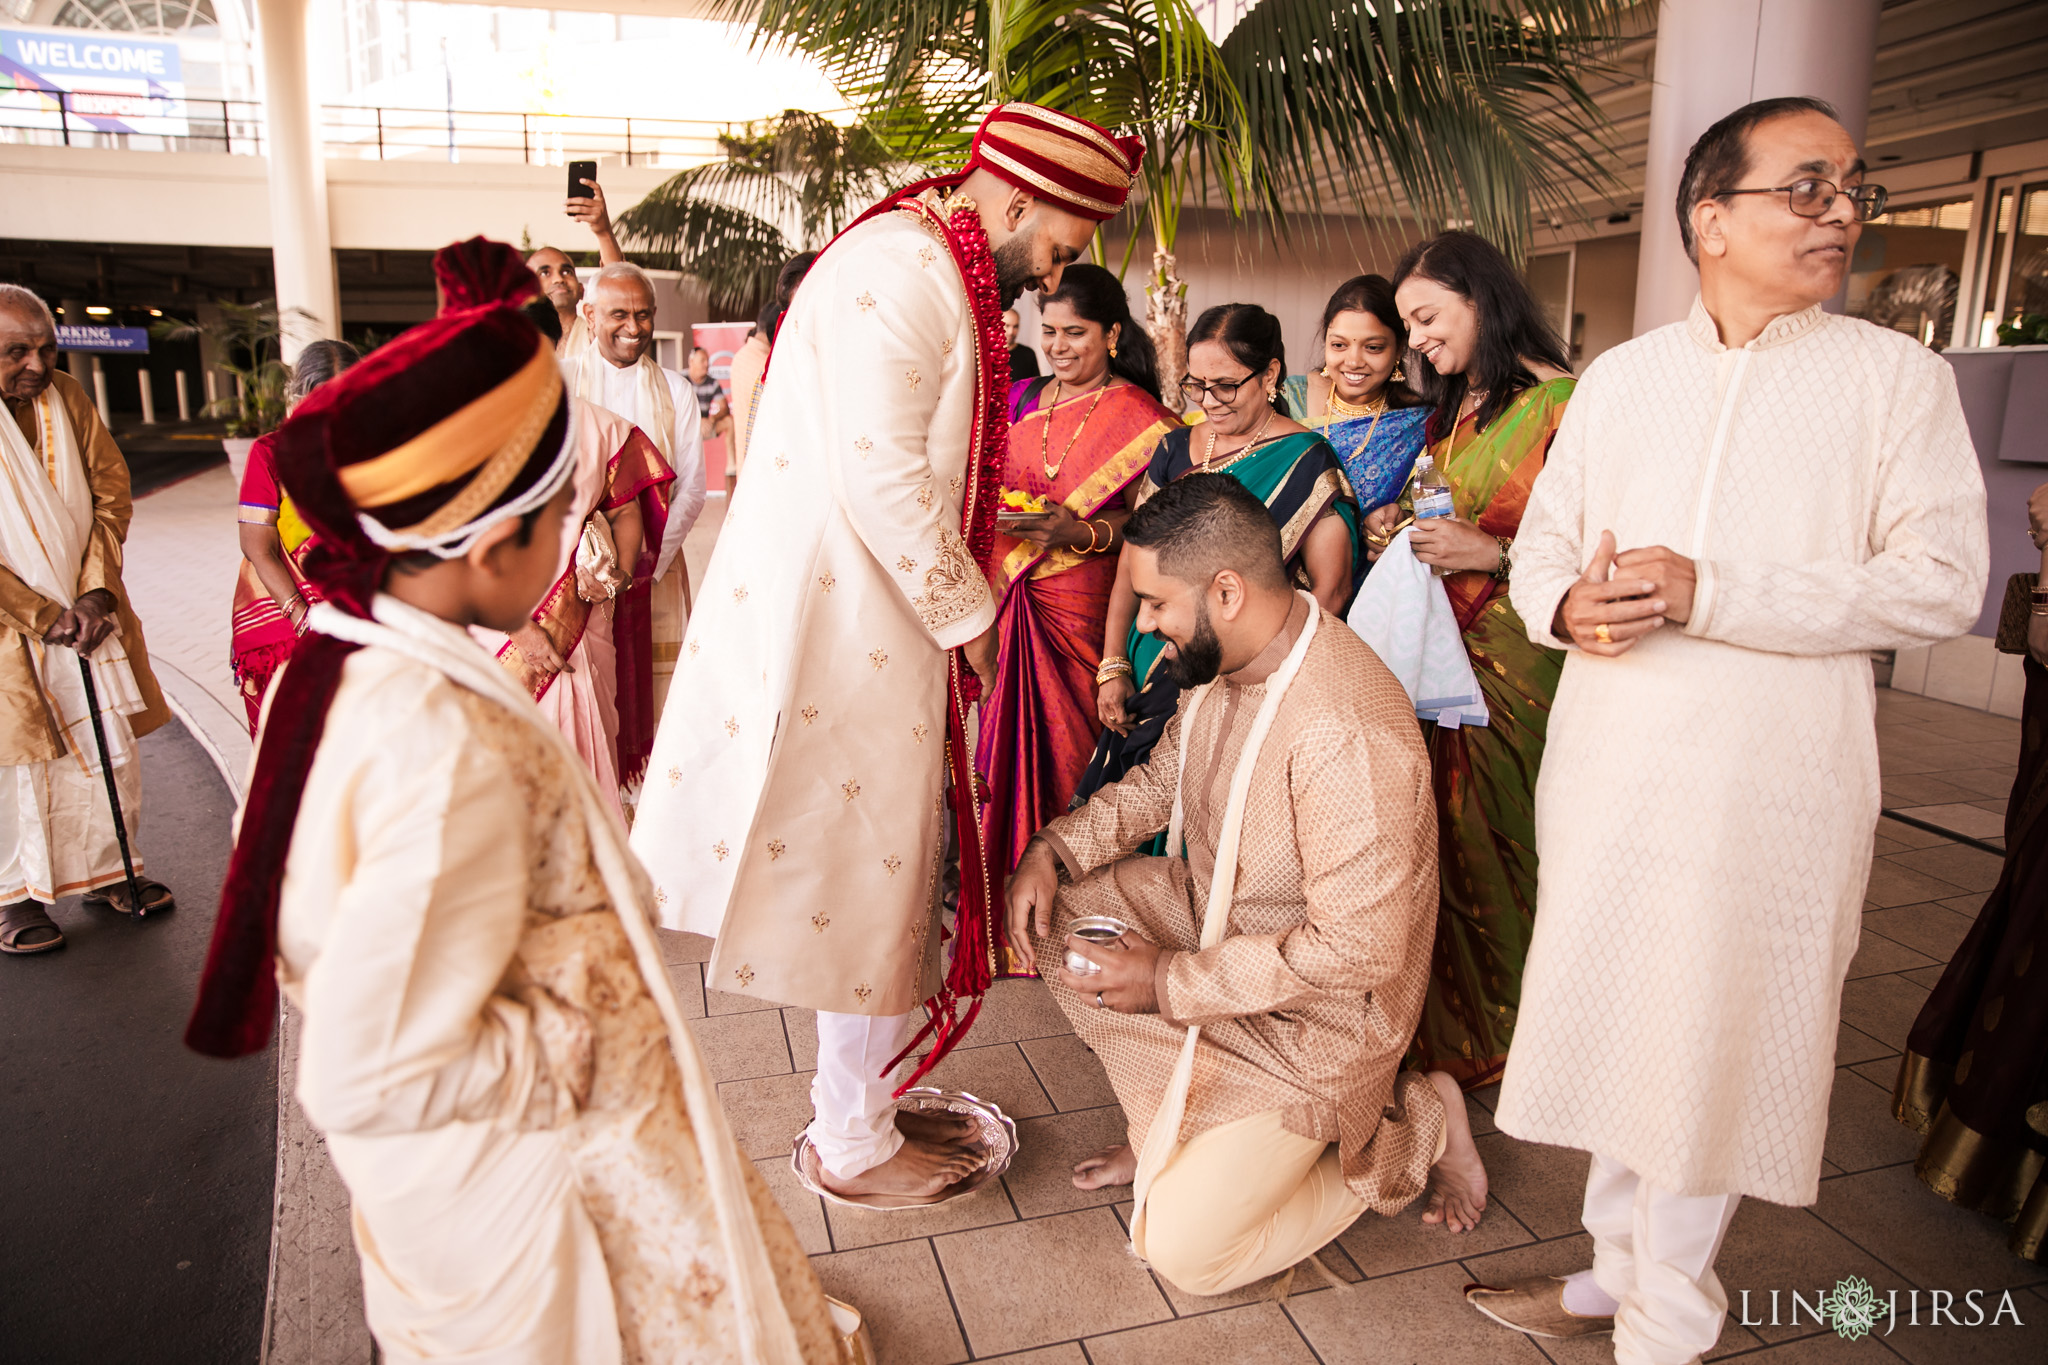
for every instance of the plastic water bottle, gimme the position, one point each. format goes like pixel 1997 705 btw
pixel 1432 491
pixel 1432 497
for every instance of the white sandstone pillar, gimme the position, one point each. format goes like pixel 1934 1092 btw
pixel 184 399
pixel 148 397
pixel 1713 57
pixel 99 394
pixel 301 245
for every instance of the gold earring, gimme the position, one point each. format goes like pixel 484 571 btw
pixel 1397 377
pixel 1112 350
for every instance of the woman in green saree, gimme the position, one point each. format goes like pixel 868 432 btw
pixel 1499 379
pixel 1236 362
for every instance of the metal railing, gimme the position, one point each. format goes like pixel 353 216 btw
pixel 350 132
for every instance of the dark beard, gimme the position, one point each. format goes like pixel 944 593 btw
pixel 1200 659
pixel 1013 269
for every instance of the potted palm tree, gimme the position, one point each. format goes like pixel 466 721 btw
pixel 247 341
pixel 1467 112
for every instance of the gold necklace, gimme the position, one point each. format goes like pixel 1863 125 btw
pixel 1209 451
pixel 1052 471
pixel 1339 408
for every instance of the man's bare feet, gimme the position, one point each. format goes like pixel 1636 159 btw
pixel 919 1170
pixel 935 1126
pixel 1111 1166
pixel 1457 1183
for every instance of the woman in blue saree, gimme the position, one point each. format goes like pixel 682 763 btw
pixel 1357 400
pixel 1236 361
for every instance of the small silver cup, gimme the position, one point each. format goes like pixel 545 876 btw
pixel 1094 929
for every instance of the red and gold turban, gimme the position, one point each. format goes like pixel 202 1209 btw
pixel 456 426
pixel 1062 159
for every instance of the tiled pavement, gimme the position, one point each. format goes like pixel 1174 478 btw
pixel 1034 1270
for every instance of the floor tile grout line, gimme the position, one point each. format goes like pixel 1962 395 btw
pixel 931 1244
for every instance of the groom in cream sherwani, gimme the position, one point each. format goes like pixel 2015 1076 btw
pixel 63 517
pixel 794 806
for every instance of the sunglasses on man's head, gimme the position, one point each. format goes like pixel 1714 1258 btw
pixel 1812 197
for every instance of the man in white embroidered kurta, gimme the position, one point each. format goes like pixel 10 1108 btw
pixel 617 370
pixel 1799 489
pixel 795 801
pixel 64 509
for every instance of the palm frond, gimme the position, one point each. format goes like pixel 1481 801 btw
pixel 1469 110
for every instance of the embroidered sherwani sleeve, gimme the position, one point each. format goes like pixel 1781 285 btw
pixel 1548 553
pixel 406 1029
pixel 1123 814
pixel 888 336
pixel 1355 792
pixel 1929 550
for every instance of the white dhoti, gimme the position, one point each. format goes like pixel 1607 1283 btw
pixel 56 832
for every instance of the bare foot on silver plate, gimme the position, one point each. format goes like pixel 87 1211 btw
pixel 919 1170
pixel 937 1126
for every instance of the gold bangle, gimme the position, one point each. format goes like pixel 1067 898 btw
pixel 1091 538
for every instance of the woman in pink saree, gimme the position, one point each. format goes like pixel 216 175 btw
pixel 1078 438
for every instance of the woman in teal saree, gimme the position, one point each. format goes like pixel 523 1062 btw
pixel 1236 361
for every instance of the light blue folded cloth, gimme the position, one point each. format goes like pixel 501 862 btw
pixel 1405 615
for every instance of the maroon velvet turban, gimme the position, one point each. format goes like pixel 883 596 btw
pixel 479 271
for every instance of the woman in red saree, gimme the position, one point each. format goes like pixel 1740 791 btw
pixel 271 592
pixel 1079 439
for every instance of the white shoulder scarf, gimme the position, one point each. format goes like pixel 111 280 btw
pixel 766 1335
pixel 1162 1140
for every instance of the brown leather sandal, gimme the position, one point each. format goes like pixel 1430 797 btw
pixel 19 920
pixel 156 897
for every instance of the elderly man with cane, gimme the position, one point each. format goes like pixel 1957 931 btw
pixel 75 687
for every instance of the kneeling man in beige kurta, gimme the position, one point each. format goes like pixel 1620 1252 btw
pixel 1253 1016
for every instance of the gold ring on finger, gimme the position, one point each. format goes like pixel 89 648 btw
pixel 1601 633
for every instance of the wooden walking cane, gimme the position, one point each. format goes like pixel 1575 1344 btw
pixel 99 735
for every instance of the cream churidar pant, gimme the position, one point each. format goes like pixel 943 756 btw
pixel 853 1122
pixel 1653 1253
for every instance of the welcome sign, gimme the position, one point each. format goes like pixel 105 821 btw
pixel 106 83
pixel 76 59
